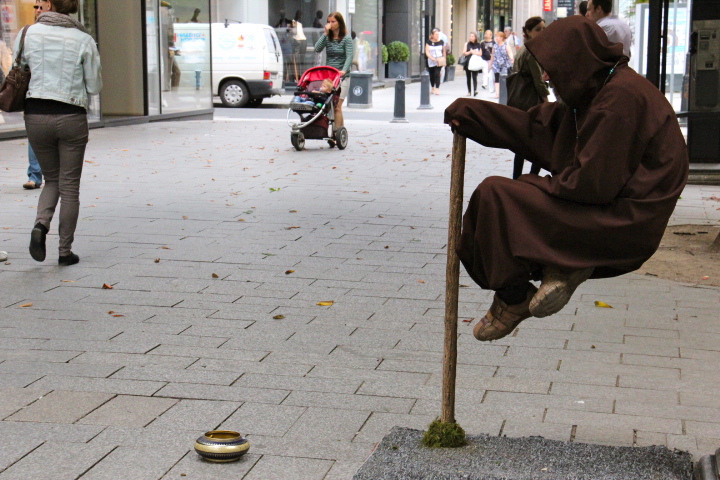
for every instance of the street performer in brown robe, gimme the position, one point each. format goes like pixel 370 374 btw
pixel 618 162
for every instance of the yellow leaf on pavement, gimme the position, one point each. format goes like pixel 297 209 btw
pixel 326 304
pixel 602 304
pixel 25 305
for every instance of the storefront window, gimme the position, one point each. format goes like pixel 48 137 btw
pixel 14 15
pixel 183 48
pixel 365 28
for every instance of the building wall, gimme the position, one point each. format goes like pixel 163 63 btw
pixel 123 90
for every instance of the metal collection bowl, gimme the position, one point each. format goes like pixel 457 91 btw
pixel 221 446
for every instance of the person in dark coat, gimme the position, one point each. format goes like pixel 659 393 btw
pixel 618 162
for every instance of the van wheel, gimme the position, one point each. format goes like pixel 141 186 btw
pixel 341 137
pixel 255 102
pixel 234 94
pixel 298 141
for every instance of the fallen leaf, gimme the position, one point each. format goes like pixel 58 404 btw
pixel 107 287
pixel 166 248
pixel 602 304
pixel 184 217
pixel 278 317
pixel 68 281
pixel 463 286
pixel 25 305
pixel 118 316
pixel 468 320
pixel 293 211
pixel 288 272
pixel 215 275
pixel 322 304
pixel 705 277
pixel 290 228
pixel 421 281
pixel 270 254
pixel 387 246
pixel 274 189
pixel 157 260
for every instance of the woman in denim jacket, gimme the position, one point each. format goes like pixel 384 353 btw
pixel 65 66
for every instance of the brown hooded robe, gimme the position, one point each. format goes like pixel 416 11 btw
pixel 614 148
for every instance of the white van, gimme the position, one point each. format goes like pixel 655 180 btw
pixel 247 63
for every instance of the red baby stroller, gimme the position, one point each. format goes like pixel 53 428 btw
pixel 317 113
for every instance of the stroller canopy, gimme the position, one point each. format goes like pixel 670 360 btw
pixel 315 74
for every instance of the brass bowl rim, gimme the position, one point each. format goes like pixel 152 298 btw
pixel 227 435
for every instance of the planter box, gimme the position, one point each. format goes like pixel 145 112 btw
pixel 450 73
pixel 397 69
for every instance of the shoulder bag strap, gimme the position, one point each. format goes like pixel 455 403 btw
pixel 22 45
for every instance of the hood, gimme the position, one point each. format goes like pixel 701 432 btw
pixel 577 56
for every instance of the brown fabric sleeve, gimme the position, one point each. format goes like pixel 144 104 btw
pixel 608 153
pixel 530 134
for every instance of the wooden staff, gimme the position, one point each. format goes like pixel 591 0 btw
pixel 452 279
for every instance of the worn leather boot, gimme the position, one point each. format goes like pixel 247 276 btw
pixel 556 289
pixel 502 318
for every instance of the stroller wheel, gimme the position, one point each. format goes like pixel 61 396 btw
pixel 341 137
pixel 298 141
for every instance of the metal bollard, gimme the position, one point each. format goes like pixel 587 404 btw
pixel 425 91
pixel 399 115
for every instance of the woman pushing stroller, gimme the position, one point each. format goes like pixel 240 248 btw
pixel 339 50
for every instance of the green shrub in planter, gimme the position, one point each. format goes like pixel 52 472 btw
pixel 450 60
pixel 398 52
pixel 384 54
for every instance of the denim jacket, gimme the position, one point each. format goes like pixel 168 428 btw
pixel 64 64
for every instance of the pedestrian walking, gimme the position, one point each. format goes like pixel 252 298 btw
pixel 339 54
pixel 34 171
pixel 618 161
pixel 436 58
pixel 617 31
pixel 486 46
pixel 531 88
pixel 472 49
pixel 65 66
pixel 501 60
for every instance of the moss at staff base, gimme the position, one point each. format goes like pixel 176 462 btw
pixel 444 435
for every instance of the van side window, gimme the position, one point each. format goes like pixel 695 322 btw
pixel 271 42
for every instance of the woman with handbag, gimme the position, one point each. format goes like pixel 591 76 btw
pixel 501 60
pixel 65 66
pixel 436 58
pixel 471 50
pixel 531 88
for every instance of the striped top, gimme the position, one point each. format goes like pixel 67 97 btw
pixel 339 52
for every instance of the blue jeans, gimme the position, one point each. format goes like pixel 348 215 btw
pixel 34 171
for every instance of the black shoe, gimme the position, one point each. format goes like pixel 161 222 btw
pixel 68 260
pixel 37 242
pixel 475 94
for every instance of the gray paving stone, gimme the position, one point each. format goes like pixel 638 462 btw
pixel 146 463
pixel 57 460
pixel 271 467
pixel 60 407
pixel 102 385
pixel 163 373
pixel 13 399
pixel 128 411
pixel 264 419
pixel 352 402
pixel 219 392
pixel 11 452
pixel 192 466
pixel 196 415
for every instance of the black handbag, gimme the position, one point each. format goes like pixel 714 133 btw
pixel 15 86
pixel 521 92
pixel 463 60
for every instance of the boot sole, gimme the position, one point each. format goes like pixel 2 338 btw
pixel 553 298
pixel 37 245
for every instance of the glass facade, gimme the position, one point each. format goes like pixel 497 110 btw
pixel 14 15
pixel 365 29
pixel 494 14
pixel 178 56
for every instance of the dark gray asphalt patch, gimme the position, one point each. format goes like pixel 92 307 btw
pixel 401 456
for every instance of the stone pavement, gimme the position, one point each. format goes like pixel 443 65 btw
pixel 219 241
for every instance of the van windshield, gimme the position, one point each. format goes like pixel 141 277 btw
pixel 271 42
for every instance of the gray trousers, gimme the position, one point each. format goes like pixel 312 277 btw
pixel 59 142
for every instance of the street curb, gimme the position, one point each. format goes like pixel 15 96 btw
pixel 708 468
